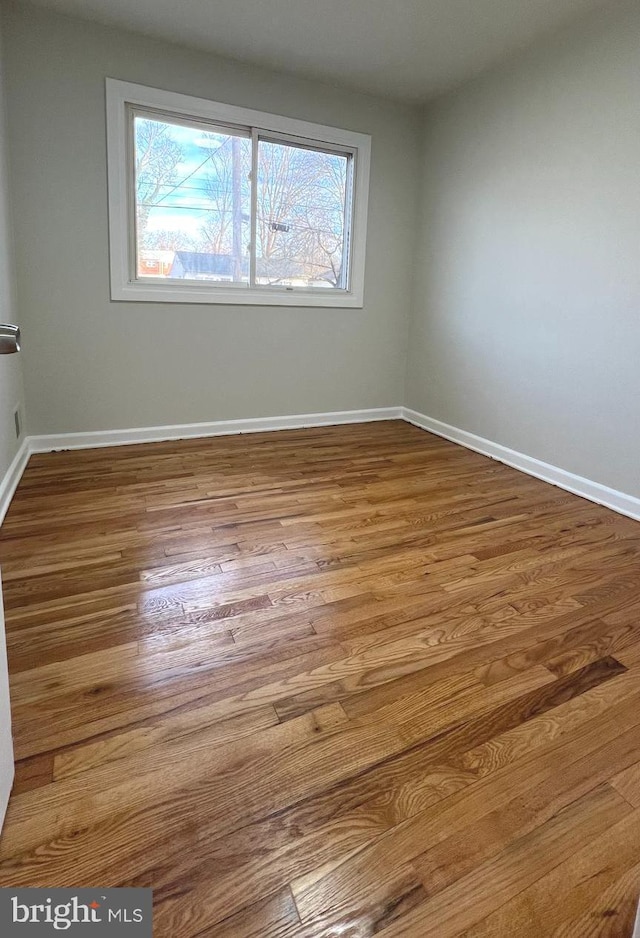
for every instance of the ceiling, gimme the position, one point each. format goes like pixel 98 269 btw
pixel 410 49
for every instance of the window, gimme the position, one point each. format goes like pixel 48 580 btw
pixel 216 204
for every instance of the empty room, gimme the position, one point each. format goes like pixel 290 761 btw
pixel 320 468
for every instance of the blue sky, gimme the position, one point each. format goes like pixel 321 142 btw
pixel 197 145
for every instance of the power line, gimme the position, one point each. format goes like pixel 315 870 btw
pixel 206 160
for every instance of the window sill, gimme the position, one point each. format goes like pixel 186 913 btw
pixel 234 296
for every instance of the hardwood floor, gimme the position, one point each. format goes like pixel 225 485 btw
pixel 325 683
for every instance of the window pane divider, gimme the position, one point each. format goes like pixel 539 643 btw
pixel 349 205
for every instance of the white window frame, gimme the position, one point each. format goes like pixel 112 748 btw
pixel 121 98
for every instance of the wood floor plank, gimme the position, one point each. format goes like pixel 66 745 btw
pixel 569 718
pixel 33 773
pixel 573 886
pixel 129 700
pixel 492 883
pixel 346 680
pixel 609 914
pixel 627 783
pixel 145 736
pixel 567 770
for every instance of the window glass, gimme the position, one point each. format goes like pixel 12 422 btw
pixel 301 208
pixel 193 202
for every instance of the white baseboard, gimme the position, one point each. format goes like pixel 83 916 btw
pixel 48 443
pixel 12 476
pixel 59 441
pixel 624 504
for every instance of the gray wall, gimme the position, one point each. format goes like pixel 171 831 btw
pixel 92 364
pixel 527 305
pixel 11 390
pixel 526 326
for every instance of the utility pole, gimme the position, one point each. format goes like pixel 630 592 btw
pixel 236 182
